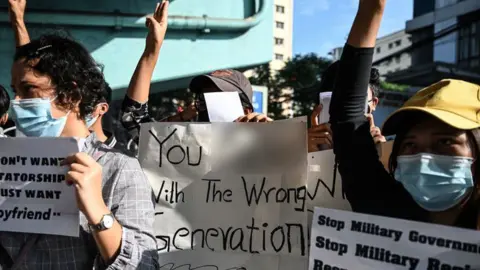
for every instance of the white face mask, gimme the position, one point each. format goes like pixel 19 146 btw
pixel 90 120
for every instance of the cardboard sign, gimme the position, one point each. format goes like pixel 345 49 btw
pixel 34 197
pixel 229 195
pixel 347 240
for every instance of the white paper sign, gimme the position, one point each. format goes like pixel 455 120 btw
pixel 325 98
pixel 223 106
pixel 229 195
pixel 346 240
pixel 34 197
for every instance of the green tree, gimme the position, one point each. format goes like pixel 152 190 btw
pixel 263 77
pixel 302 73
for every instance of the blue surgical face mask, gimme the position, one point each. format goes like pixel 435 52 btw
pixel 33 118
pixel 437 183
pixel 90 120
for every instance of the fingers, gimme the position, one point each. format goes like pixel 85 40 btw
pixel 74 178
pixel 319 144
pixel 149 21
pixel 315 115
pixel 254 117
pixel 162 13
pixel 80 158
pixel 321 128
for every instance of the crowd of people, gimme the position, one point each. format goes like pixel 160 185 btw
pixel 60 91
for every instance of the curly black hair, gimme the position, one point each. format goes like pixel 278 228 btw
pixel 4 101
pixel 76 76
pixel 329 75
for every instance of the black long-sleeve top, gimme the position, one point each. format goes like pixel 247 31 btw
pixel 368 186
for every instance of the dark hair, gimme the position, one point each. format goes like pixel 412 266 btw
pixel 4 101
pixel 374 82
pixel 472 208
pixel 76 76
pixel 329 75
pixel 107 94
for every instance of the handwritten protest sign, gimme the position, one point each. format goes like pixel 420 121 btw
pixel 325 182
pixel 229 195
pixel 346 240
pixel 34 197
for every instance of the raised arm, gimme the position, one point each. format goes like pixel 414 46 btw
pixel 368 186
pixel 135 106
pixel 16 10
pixel 139 87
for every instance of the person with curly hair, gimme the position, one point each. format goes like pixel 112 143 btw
pixel 95 119
pixel 320 135
pixel 57 84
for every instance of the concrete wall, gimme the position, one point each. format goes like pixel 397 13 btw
pixel 185 53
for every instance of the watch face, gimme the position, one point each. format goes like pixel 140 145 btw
pixel 107 221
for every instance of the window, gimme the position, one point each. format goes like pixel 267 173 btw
pixel 278 56
pixel 280 9
pixel 390 45
pixel 280 25
pixel 398 59
pixel 379 49
pixel 278 41
pixel 398 43
pixel 443 3
pixel 469 45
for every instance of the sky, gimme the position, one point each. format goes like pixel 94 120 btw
pixel 321 25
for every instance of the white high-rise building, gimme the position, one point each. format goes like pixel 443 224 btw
pixel 282 33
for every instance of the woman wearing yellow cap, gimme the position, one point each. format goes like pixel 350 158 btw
pixel 433 165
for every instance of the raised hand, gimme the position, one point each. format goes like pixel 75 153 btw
pixel 319 135
pixel 157 27
pixel 16 10
pixel 85 175
pixel 375 131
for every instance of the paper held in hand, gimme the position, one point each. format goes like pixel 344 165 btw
pixel 34 197
pixel 347 240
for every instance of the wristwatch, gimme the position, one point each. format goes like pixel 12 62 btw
pixel 105 223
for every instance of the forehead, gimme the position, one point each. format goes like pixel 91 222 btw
pixel 23 73
pixel 430 124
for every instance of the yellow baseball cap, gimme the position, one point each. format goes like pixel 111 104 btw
pixel 455 102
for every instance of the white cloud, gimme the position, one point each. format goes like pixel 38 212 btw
pixel 311 7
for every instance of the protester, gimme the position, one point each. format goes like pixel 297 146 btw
pixel 95 120
pixel 433 164
pixel 56 86
pixel 4 105
pixel 320 135
pixel 135 104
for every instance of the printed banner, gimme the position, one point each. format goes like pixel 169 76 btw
pixel 34 197
pixel 346 240
pixel 229 195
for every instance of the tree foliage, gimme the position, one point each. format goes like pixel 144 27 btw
pixel 302 74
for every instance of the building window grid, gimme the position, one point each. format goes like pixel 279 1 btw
pixel 469 46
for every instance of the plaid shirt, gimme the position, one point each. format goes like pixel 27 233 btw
pixel 128 195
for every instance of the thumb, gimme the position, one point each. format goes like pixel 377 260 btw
pixel 315 115
pixel 149 21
